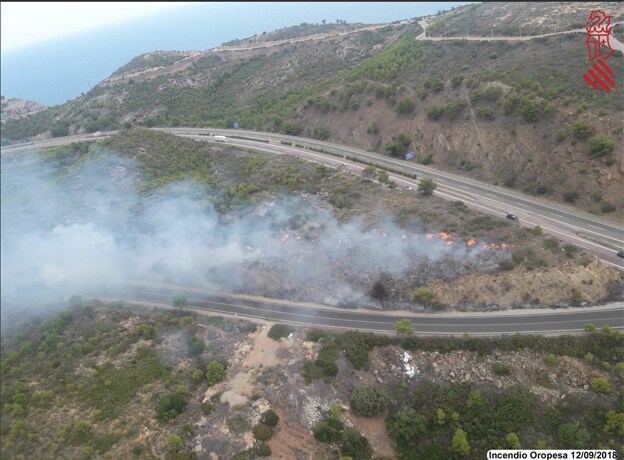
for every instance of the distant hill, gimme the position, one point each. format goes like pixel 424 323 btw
pixel 15 109
pixel 513 113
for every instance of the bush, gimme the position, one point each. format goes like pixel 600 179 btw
pixel 406 106
pixel 215 373
pixel 270 418
pixel 170 406
pixel 406 426
pixel 608 207
pixel 279 331
pixel 600 385
pixel 174 443
pixel 570 196
pixel 600 145
pixel 500 369
pixel 328 430
pixel 369 401
pixel 315 335
pixel 423 295
pixel 435 112
pixel 589 327
pixel 262 432
pixel 355 445
pixel 263 450
pixel 582 129
pixel 486 113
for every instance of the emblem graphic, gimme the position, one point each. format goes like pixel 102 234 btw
pixel 599 28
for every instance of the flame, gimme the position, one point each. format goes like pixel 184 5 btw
pixel 429 236
pixel 470 243
pixel 449 243
pixel 444 236
pixel 285 237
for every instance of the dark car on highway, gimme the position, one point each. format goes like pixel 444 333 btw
pixel 512 217
pixel 620 254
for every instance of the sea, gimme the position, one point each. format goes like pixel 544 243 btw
pixel 59 70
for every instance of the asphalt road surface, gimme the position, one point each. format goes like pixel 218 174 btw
pixel 537 321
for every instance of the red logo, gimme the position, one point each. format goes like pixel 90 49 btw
pixel 599 28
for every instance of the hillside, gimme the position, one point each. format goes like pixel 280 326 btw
pixel 271 225
pixel 478 108
pixel 15 109
pixel 100 380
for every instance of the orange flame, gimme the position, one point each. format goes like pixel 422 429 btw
pixel 429 236
pixel 444 236
pixel 470 242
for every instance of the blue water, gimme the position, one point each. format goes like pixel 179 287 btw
pixel 60 70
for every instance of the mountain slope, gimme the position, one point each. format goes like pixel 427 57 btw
pixel 513 113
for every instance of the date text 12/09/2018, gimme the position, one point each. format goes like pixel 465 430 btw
pixel 559 454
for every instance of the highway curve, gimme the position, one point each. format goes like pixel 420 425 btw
pixel 542 321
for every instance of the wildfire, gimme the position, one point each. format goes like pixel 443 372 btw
pixel 429 236
pixel 470 243
pixel 444 236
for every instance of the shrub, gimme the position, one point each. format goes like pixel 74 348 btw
pixel 262 432
pixel 369 401
pixel 600 145
pixel 423 295
pixel 435 112
pixel 328 430
pixel 551 359
pixel 570 196
pixel 215 373
pixel 174 443
pixel 582 129
pixel 355 445
pixel 529 110
pixel 600 385
pixel 263 450
pixel 279 331
pixel 406 106
pixel 537 230
pixel 500 369
pixel 270 418
pixel 486 113
pixel 589 327
pixel 608 207
pixel 170 406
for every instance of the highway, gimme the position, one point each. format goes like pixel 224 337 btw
pixel 598 236
pixel 542 321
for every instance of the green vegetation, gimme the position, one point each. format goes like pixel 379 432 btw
pixel 262 432
pixel 427 186
pixel 600 145
pixel 280 331
pixel 170 406
pixel 215 373
pixel 404 327
pixel 369 401
pixel 424 296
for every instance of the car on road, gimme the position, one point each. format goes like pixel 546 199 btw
pixel 512 217
pixel 620 254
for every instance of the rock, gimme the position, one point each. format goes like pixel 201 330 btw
pixel 552 376
pixel 393 368
pixel 434 365
pixel 498 384
pixel 585 387
pixel 467 377
pixel 452 374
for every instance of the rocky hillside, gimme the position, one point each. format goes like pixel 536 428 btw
pixel 127 381
pixel 514 113
pixel 15 109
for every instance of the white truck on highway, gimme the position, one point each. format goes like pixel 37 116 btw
pixel 220 138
